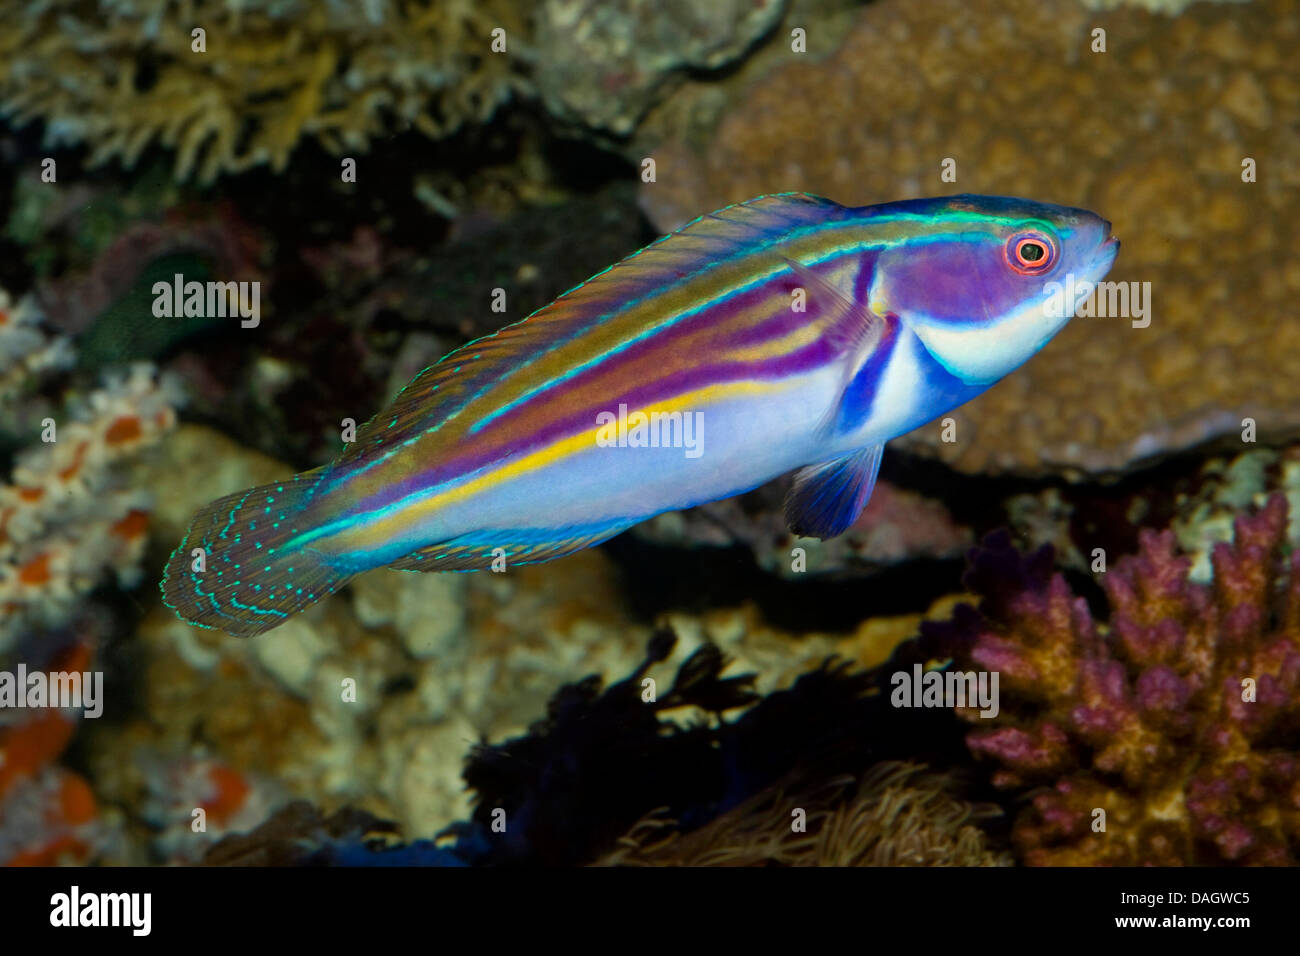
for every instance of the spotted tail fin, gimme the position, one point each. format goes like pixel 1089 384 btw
pixel 249 576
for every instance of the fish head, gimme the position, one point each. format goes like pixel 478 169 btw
pixel 984 282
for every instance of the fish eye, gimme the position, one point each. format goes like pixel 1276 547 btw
pixel 1031 253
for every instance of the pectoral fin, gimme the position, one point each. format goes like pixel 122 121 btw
pixel 856 332
pixel 826 499
pixel 856 329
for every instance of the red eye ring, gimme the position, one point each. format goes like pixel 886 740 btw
pixel 1030 253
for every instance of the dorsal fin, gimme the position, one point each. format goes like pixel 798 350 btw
pixel 441 392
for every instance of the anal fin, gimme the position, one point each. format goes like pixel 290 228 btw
pixel 477 551
pixel 826 499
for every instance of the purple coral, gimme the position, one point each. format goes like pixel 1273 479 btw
pixel 1179 717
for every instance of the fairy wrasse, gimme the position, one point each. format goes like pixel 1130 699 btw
pixel 787 332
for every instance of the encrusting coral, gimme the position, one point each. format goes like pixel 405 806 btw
pixel 604 61
pixel 1169 734
pixel 120 75
pixel 1183 133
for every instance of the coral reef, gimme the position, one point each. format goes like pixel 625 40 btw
pixel 64 525
pixel 1205 517
pixel 178 788
pixel 604 63
pixel 120 75
pixel 1169 7
pixel 216 241
pixel 895 814
pixel 1170 111
pixel 1179 717
pixel 604 759
pixel 438 661
pixel 300 835
pixel 536 255
pixel 27 350
pixel 404 711
pixel 48 814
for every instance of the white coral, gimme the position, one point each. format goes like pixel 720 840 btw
pixel 26 349
pixel 63 526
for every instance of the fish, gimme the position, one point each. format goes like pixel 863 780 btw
pixel 787 333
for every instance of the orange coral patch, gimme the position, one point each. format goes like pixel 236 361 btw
pixel 125 429
pixel 73 468
pixel 76 801
pixel 231 789
pixel 30 746
pixel 35 571
pixel 51 854
pixel 132 526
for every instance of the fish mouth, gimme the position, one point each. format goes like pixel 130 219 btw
pixel 1107 250
pixel 1111 242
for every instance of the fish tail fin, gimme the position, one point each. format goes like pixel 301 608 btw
pixel 238 568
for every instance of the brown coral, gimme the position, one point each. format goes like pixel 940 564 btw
pixel 122 74
pixel 1152 134
pixel 1180 718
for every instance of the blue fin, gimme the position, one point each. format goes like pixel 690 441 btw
pixel 826 499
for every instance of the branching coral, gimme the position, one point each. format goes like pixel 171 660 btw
pixel 1179 718
pixel 122 74
pixel 62 523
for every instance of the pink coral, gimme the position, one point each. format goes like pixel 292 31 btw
pixel 1179 718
